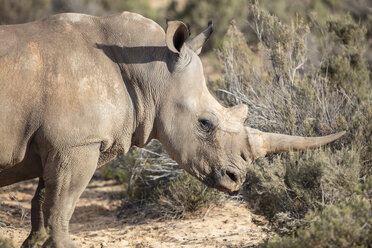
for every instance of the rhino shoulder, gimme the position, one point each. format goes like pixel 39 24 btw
pixel 69 18
pixel 138 26
pixel 137 18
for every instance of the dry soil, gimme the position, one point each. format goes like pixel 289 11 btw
pixel 95 222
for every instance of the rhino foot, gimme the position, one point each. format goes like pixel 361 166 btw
pixel 35 239
pixel 61 242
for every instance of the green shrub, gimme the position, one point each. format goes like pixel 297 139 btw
pixel 285 189
pixel 359 10
pixel 345 65
pixel 347 224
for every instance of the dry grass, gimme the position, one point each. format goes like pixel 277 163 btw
pixel 6 243
pixel 290 90
pixel 157 186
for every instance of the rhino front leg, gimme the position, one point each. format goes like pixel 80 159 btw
pixel 38 233
pixel 66 174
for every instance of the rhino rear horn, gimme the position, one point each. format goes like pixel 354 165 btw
pixel 198 41
pixel 262 143
pixel 176 35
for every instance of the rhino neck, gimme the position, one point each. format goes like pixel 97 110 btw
pixel 144 109
pixel 137 45
pixel 145 84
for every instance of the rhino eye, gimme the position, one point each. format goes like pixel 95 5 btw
pixel 206 124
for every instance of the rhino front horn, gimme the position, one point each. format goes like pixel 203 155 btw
pixel 262 143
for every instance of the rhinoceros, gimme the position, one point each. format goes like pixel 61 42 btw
pixel 78 90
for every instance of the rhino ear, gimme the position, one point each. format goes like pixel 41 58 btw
pixel 196 44
pixel 176 35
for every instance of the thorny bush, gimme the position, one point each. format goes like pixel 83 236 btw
pixel 292 89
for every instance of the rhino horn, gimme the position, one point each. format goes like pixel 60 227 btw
pixel 176 34
pixel 198 41
pixel 262 143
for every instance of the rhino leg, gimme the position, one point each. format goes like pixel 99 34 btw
pixel 66 174
pixel 38 233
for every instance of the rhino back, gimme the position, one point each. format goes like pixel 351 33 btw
pixel 57 86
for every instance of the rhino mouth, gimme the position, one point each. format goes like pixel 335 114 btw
pixel 228 180
pixel 223 178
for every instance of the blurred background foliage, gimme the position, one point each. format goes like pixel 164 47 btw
pixel 303 68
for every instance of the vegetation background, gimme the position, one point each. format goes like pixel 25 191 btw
pixel 303 68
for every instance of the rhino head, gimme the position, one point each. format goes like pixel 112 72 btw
pixel 206 139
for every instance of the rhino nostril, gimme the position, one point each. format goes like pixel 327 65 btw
pixel 243 157
pixel 232 176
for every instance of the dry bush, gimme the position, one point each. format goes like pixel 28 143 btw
pixel 272 79
pixel 184 197
pixel 291 89
pixel 156 187
pixel 347 224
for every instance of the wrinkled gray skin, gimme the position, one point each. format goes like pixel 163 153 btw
pixel 77 90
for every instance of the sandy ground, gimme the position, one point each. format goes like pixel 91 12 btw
pixel 95 222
